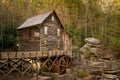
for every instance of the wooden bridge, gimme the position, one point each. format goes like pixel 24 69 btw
pixel 28 62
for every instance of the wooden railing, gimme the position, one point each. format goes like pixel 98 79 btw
pixel 27 62
pixel 32 54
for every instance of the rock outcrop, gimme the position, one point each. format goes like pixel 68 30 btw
pixel 101 62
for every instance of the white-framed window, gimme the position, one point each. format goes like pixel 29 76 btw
pixel 58 32
pixel 53 18
pixel 45 30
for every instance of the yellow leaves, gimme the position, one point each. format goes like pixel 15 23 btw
pixel 110 5
pixel 5 1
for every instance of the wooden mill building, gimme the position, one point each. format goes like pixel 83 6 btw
pixel 44 33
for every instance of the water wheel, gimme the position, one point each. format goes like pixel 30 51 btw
pixel 61 64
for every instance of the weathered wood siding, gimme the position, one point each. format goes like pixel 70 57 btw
pixel 29 45
pixel 35 39
pixel 27 39
pixel 67 43
pixel 53 40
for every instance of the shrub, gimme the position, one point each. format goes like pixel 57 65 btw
pixel 87 53
pixel 82 74
pixel 115 44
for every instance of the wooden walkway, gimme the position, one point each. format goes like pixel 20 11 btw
pixel 26 55
pixel 28 62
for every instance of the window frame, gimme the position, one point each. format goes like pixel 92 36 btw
pixel 58 31
pixel 53 18
pixel 45 30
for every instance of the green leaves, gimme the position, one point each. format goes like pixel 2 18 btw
pixel 9 37
pixel 81 18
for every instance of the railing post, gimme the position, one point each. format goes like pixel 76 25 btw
pixel 36 55
pixel 29 54
pixel 22 62
pixel 15 55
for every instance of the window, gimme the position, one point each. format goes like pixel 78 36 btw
pixel 36 34
pixel 53 18
pixel 45 42
pixel 45 30
pixel 58 32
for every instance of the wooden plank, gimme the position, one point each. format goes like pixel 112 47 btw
pixel 33 54
pixel 29 67
pixel 44 55
pixel 26 54
pixel 12 55
pixel 19 55
pixel 4 55
pixel 2 72
pixel 39 54
pixel 14 67
pixel 3 64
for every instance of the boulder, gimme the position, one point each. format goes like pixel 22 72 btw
pixel 102 61
pixel 92 41
pixel 108 54
pixel 110 76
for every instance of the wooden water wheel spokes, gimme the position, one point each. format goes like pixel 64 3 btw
pixel 64 63
pixel 55 66
pixel 61 64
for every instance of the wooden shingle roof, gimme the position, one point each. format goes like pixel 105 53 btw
pixel 34 20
